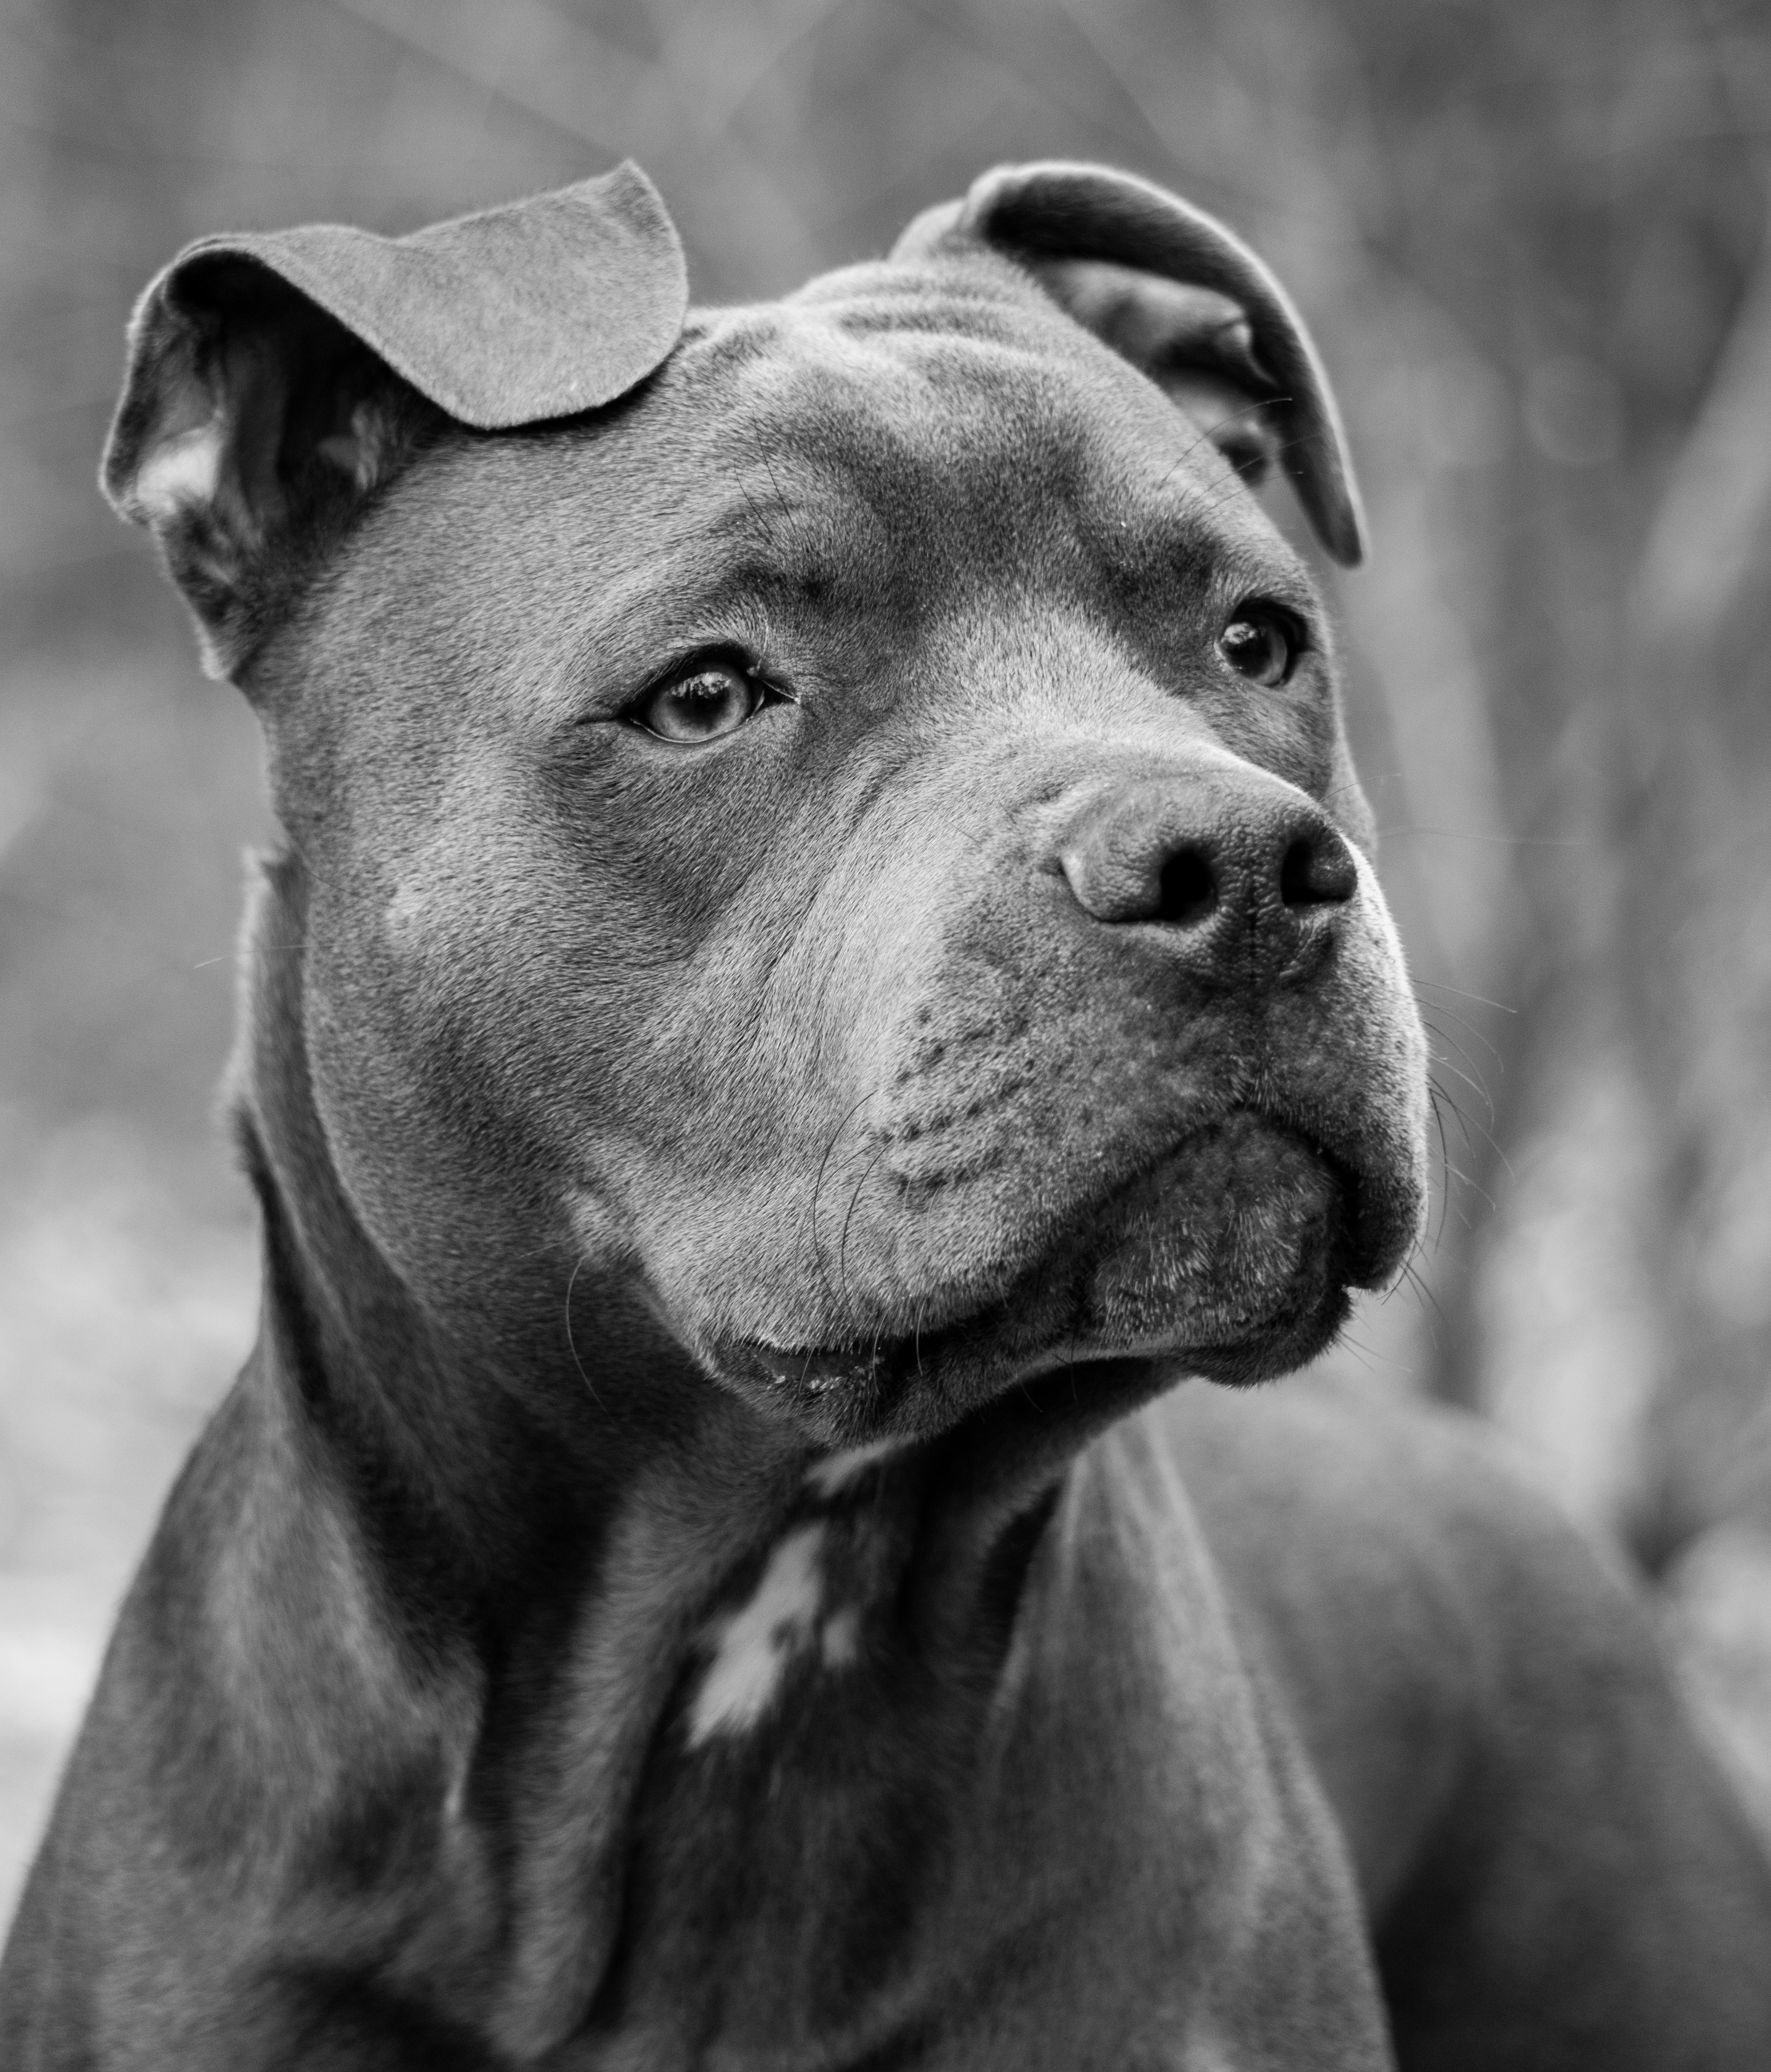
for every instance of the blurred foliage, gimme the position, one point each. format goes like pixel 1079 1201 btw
pixel 1530 240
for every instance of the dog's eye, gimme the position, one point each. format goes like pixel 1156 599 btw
pixel 709 700
pixel 1262 643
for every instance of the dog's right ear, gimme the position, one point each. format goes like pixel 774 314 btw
pixel 276 380
pixel 1180 296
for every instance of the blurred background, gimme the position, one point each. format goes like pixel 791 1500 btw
pixel 1532 243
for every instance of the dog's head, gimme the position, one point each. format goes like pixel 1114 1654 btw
pixel 833 816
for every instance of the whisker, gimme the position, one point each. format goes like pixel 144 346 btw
pixel 1475 1085
pixel 1428 1299
pixel 1445 1159
pixel 1467 1126
pixel 756 510
pixel 1480 1035
pixel 1482 999
pixel 769 466
pixel 1473 1063
pixel 842 1248
pixel 572 1345
pixel 817 1185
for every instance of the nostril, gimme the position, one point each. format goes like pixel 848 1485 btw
pixel 1189 888
pixel 1318 870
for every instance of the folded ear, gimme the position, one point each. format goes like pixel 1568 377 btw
pixel 276 381
pixel 1182 298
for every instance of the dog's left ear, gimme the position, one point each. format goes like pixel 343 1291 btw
pixel 1181 296
pixel 277 380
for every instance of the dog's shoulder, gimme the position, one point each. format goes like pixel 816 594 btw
pixel 1408 1580
pixel 1480 1685
pixel 1411 1574
pixel 1400 1584
pixel 1330 1477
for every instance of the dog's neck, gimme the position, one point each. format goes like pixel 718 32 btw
pixel 623 1625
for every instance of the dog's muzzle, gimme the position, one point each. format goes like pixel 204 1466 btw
pixel 1161 1101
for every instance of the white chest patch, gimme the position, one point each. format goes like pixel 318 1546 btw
pixel 832 1475
pixel 753 1646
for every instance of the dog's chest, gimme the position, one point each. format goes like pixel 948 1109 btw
pixel 849 1844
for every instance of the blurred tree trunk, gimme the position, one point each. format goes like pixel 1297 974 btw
pixel 1513 502
pixel 1693 946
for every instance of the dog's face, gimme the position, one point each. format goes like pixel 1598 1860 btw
pixel 854 842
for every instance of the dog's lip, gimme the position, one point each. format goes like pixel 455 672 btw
pixel 882 1360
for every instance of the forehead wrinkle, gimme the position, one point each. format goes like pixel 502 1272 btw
pixel 821 449
pixel 904 382
pixel 1201 538
pixel 1175 503
pixel 773 526
pixel 735 584
pixel 926 390
pixel 878 404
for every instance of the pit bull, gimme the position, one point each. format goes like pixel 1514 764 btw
pixel 823 1012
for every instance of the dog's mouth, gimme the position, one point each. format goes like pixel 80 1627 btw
pixel 1230 1255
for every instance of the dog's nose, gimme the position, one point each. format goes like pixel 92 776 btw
pixel 1246 872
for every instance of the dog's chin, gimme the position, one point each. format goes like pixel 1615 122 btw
pixel 1230 1256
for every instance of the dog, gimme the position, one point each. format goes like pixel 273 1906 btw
pixel 823 1012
